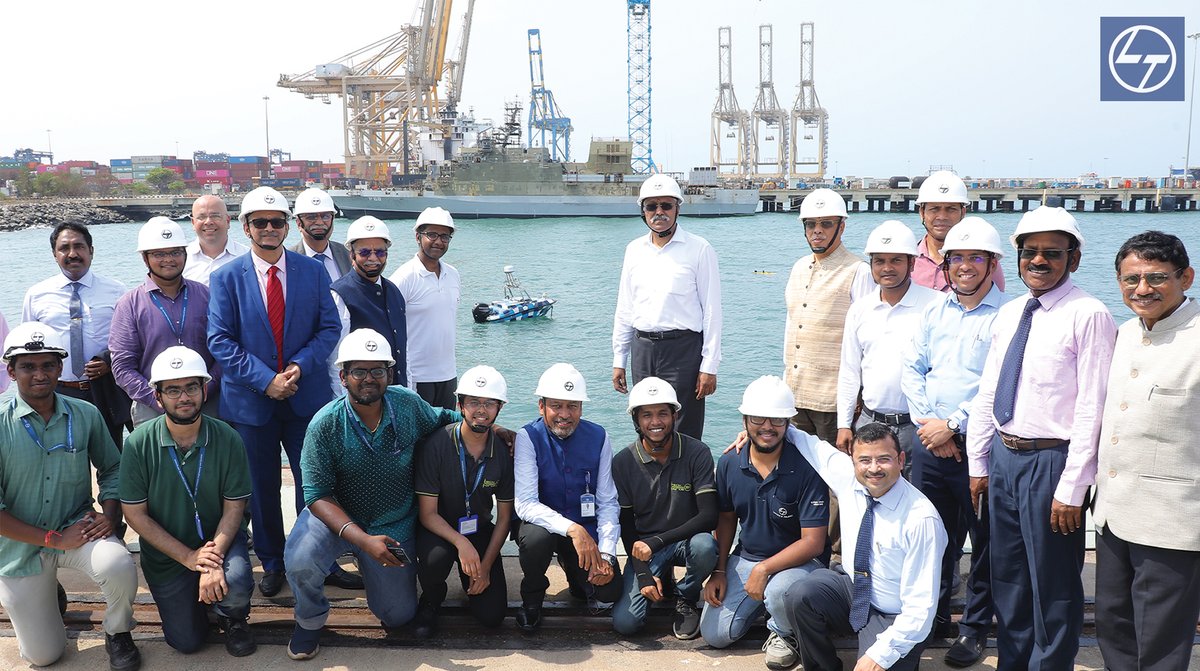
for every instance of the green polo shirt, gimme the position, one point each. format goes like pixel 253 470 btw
pixel 663 496
pixel 50 486
pixel 148 476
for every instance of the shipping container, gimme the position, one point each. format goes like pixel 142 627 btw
pixel 299 163
pixel 122 168
pixel 125 180
pixel 79 164
pixel 247 159
pixel 87 172
pixel 174 168
pixel 150 159
pixel 212 165
pixel 288 169
pixel 120 161
pixel 291 182
pixel 212 173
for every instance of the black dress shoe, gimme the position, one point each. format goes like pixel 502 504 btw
pixel 123 655
pixel 529 618
pixel 344 579
pixel 425 623
pixel 965 652
pixel 239 640
pixel 271 583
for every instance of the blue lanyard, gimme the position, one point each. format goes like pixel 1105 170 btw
pixel 192 491
pixel 356 423
pixel 182 316
pixel 69 447
pixel 462 460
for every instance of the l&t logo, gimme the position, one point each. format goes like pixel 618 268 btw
pixel 1141 58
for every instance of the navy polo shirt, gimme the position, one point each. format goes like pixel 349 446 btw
pixel 771 512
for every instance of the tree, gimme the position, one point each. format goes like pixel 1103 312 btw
pixel 177 186
pixel 142 188
pixel 161 178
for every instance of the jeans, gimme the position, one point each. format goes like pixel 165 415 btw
pixel 311 551
pixel 185 618
pixel 698 555
pixel 726 624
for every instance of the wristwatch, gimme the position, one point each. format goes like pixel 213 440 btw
pixel 609 558
pixel 952 424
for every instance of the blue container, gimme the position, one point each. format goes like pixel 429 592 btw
pixel 247 159
pixel 120 161
pixel 288 182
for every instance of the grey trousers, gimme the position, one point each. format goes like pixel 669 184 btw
pixel 676 360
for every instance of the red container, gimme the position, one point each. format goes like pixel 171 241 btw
pixel 174 168
pixel 212 165
pixel 289 169
pixel 213 180
pixel 299 163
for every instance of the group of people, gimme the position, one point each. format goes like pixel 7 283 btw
pixel 920 406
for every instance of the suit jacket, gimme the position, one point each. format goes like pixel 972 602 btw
pixel 240 338
pixel 341 256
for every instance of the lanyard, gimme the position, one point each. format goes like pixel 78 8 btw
pixel 192 491
pixel 70 446
pixel 462 460
pixel 356 423
pixel 182 316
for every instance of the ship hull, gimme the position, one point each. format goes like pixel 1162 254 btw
pixel 404 204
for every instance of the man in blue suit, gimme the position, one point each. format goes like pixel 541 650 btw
pixel 271 326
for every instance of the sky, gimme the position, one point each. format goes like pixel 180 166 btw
pixel 992 89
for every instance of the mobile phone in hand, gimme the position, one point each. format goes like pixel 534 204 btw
pixel 399 553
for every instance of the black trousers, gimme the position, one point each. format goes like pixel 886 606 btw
pixel 676 360
pixel 115 429
pixel 439 394
pixel 435 558
pixel 536 547
pixel 1147 604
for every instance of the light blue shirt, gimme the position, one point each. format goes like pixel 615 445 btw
pixel 945 359
pixel 49 302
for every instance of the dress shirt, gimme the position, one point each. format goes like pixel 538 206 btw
pixel 327 261
pixel 430 302
pixel 942 366
pixel 928 273
pixel 907 547
pixel 200 265
pixel 4 381
pixel 875 338
pixel 674 287
pixel 49 302
pixel 262 268
pixel 140 333
pixel 532 511
pixel 1060 394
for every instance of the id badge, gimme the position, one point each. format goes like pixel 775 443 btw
pixel 587 505
pixel 468 525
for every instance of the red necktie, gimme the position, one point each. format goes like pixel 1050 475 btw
pixel 275 310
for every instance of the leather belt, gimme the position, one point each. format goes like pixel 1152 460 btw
pixel 897 419
pixel 81 385
pixel 1017 443
pixel 663 335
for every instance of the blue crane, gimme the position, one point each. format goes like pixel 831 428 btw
pixel 638 88
pixel 544 115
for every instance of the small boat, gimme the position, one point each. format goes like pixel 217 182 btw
pixel 516 305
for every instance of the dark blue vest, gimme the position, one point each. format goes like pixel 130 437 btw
pixel 379 307
pixel 564 467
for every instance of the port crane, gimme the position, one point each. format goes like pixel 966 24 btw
pixel 637 66
pixel 547 125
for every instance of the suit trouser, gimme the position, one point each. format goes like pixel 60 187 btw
pixel 115 430
pixel 946 484
pixel 1147 603
pixel 262 449
pixel 536 546
pixel 676 360
pixel 1037 585
pixel 439 394
pixel 436 557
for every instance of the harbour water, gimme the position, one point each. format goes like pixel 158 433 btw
pixel 578 262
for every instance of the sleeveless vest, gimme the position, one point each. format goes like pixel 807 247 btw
pixel 565 466
pixel 379 307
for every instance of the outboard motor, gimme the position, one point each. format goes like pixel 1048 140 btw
pixel 481 312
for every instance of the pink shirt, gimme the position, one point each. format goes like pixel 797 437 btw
pixel 928 273
pixel 1063 381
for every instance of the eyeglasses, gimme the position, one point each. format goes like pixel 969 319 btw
pixel 485 404
pixel 824 225
pixel 1153 279
pixel 362 373
pixel 433 237
pixel 191 389
pixel 260 224
pixel 365 253
pixel 977 259
pixel 759 421
pixel 210 217
pixel 665 207
pixel 163 256
pixel 314 217
pixel 1048 254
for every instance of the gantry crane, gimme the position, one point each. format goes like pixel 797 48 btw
pixel 770 134
pixel 729 121
pixel 638 84
pixel 809 121
pixel 545 119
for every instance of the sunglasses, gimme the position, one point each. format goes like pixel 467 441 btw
pixel 314 217
pixel 824 225
pixel 665 207
pixel 1048 254
pixel 260 224
pixel 365 253
pixel 1153 279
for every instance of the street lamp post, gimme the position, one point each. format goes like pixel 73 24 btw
pixel 1187 157
pixel 49 146
pixel 267 125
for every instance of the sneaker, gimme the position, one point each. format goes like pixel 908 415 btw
pixel 529 618
pixel 781 653
pixel 305 643
pixel 686 623
pixel 425 623
pixel 123 655
pixel 239 640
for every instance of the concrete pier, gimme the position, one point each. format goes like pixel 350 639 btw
pixel 1014 199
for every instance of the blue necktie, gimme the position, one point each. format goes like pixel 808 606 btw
pixel 76 308
pixel 860 605
pixel 1010 370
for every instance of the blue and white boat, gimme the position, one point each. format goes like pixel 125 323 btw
pixel 516 305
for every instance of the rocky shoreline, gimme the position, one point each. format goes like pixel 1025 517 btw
pixel 22 215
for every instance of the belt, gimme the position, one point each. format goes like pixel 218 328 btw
pixel 663 335
pixel 1017 443
pixel 81 385
pixel 897 419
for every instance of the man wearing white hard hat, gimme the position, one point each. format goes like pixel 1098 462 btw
pixel 777 507
pixel 942 202
pixel 49 444
pixel 167 310
pixel 314 212
pixel 365 299
pixel 4 379
pixel 940 379
pixel 668 318
pixel 463 471
pixel 565 498
pixel 668 511
pixel 431 289
pixel 878 328
pixel 1033 439
pixel 212 247
pixel 271 327
pixel 185 483
pixel 359 492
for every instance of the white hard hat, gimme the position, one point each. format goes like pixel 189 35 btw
pixel 651 391
pixel 264 198
pixel 822 203
pixel 768 396
pixel 484 382
pixel 563 382
pixel 367 227
pixel 1046 219
pixel 160 233
pixel 364 345
pixel 177 362
pixel 891 237
pixel 660 185
pixel 434 216
pixel 943 186
pixel 973 233
pixel 313 201
pixel 33 338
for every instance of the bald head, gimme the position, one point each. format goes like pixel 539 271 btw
pixel 210 219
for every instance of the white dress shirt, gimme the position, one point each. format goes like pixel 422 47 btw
pixel 200 265
pixel 531 510
pixel 874 343
pixel 262 267
pixel 49 302
pixel 675 287
pixel 430 306
pixel 329 263
pixel 4 381
pixel 908 540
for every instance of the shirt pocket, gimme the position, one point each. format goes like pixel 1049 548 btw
pixel 784 514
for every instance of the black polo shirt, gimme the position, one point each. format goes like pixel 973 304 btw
pixel 439 473
pixel 771 512
pixel 663 496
